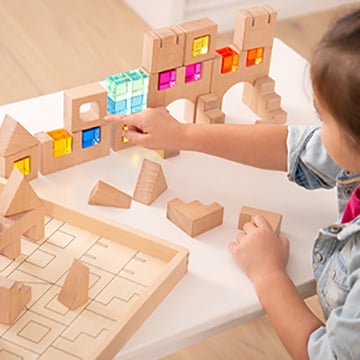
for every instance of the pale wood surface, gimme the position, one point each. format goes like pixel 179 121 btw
pixel 50 45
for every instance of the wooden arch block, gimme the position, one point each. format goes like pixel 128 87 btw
pixel 194 218
pixel 107 195
pixel 151 183
pixel 75 291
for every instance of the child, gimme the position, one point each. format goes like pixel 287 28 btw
pixel 313 157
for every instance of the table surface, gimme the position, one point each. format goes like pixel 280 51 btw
pixel 215 294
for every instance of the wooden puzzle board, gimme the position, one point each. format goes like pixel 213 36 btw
pixel 122 281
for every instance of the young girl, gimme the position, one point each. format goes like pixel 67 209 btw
pixel 313 157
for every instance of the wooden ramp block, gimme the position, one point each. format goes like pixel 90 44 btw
pixel 151 183
pixel 18 196
pixel 75 291
pixel 194 218
pixel 246 214
pixel 13 297
pixel 107 195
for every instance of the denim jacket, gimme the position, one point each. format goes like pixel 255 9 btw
pixel 336 253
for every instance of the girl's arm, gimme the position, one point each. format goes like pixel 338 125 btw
pixel 261 146
pixel 263 256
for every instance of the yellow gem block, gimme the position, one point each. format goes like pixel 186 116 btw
pixel 200 45
pixel 23 165
pixel 62 142
pixel 123 138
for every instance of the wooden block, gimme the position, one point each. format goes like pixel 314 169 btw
pixel 255 27
pixel 75 119
pixel 75 291
pixel 117 141
pixel 13 297
pixel 14 137
pixel 16 145
pixel 194 30
pixel 107 195
pixel 168 153
pixel 163 49
pixel 247 213
pixel 151 183
pixel 194 218
pixel 18 196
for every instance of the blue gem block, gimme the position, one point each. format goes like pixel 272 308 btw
pixel 90 137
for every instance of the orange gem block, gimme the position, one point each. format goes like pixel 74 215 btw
pixel 62 142
pixel 230 59
pixel 254 56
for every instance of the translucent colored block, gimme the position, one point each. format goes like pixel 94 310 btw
pixel 167 79
pixel 193 72
pixel 254 56
pixel 127 84
pixel 200 45
pixel 123 138
pixel 23 165
pixel 230 59
pixel 90 137
pixel 62 142
pixel 118 107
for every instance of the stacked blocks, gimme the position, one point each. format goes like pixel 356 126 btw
pixel 127 92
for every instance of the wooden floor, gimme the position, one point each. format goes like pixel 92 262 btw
pixel 51 45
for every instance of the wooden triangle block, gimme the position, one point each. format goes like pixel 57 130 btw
pixel 14 137
pixel 151 183
pixel 75 291
pixel 17 195
pixel 107 195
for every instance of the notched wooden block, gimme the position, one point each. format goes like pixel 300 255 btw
pixel 194 218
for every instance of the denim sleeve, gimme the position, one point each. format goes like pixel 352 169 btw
pixel 309 164
pixel 339 339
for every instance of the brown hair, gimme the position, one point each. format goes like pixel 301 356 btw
pixel 335 74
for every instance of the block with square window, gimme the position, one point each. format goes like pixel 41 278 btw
pixel 230 59
pixel 167 79
pixel 127 92
pixel 200 40
pixel 90 137
pixel 254 56
pixel 62 142
pixel 84 107
pixel 17 148
pixel 193 72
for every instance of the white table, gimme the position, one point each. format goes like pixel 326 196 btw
pixel 215 295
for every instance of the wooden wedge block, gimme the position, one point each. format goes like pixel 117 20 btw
pixel 151 183
pixel 107 195
pixel 75 291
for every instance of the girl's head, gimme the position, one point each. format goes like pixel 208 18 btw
pixel 335 75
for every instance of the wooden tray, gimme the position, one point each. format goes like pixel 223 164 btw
pixel 130 274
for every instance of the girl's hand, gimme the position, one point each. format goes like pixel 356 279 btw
pixel 259 250
pixel 151 128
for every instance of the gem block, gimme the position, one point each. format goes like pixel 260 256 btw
pixel 200 45
pixel 90 137
pixel 167 79
pixel 230 59
pixel 23 165
pixel 254 56
pixel 62 142
pixel 193 72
